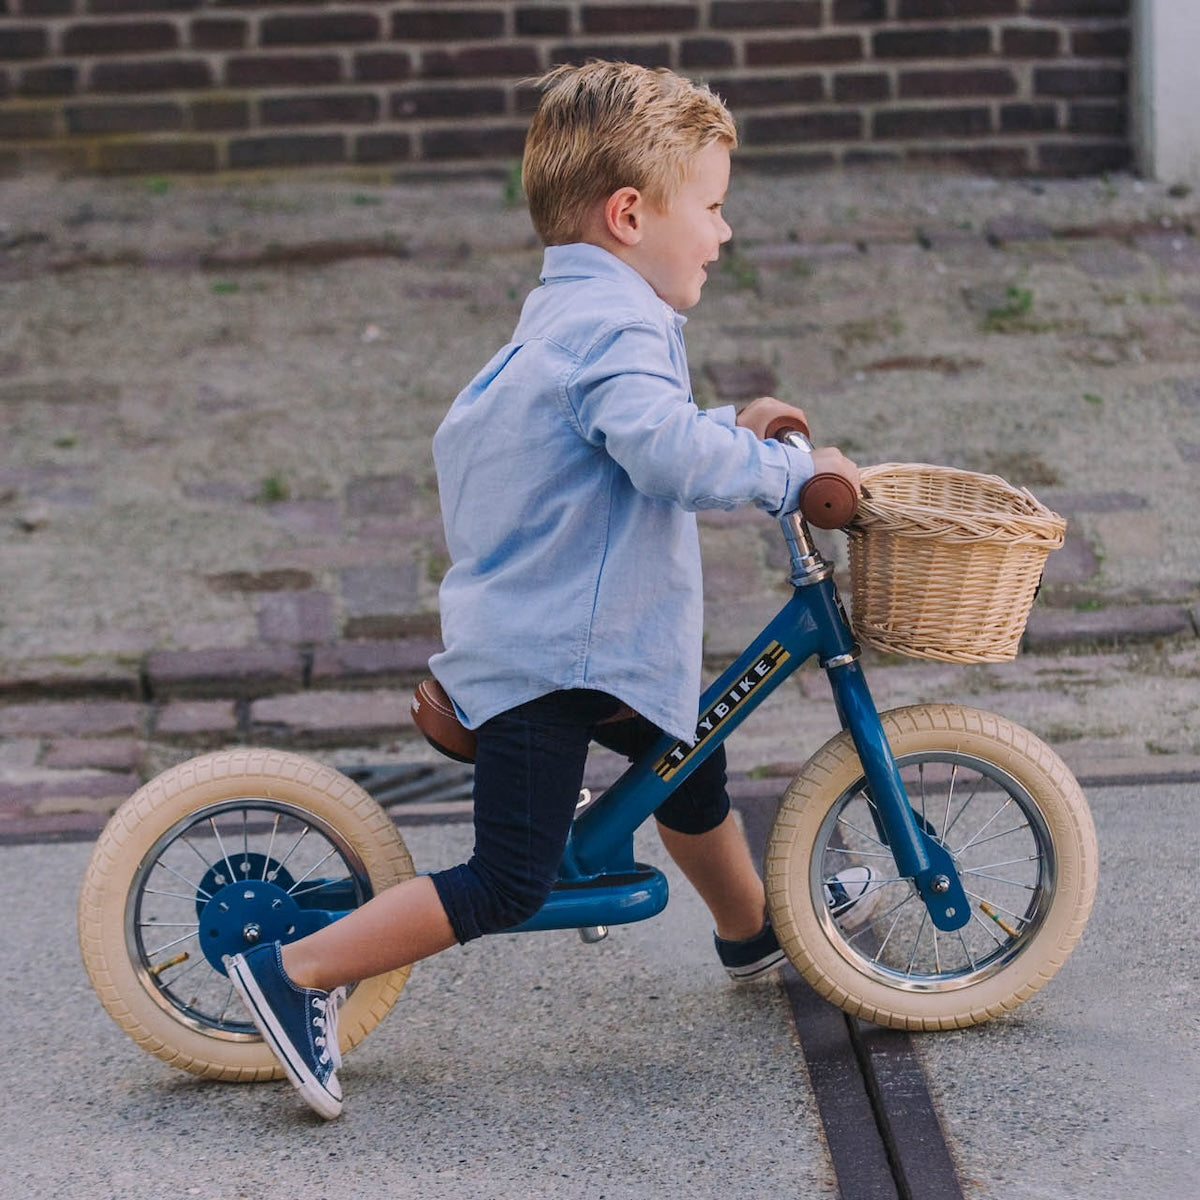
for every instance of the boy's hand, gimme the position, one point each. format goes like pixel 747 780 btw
pixel 760 413
pixel 829 460
pixel 829 499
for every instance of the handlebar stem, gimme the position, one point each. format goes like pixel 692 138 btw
pixel 809 565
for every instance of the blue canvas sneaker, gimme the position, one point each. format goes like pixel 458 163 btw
pixel 751 957
pixel 299 1024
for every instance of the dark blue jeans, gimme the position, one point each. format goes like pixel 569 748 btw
pixel 528 771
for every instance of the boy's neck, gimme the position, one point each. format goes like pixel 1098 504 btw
pixel 597 233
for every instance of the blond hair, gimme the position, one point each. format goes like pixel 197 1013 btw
pixel 608 125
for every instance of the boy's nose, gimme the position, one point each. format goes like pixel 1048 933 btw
pixel 725 232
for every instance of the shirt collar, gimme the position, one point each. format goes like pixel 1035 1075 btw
pixel 583 260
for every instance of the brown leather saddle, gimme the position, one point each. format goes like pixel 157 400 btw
pixel 433 714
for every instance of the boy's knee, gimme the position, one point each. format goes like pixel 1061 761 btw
pixel 480 902
pixel 511 901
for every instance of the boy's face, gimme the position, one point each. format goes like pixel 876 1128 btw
pixel 678 243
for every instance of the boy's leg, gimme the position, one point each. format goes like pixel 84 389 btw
pixel 527 772
pixel 701 834
pixel 399 926
pixel 526 785
pixel 718 864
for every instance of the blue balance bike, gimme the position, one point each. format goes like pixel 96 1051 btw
pixel 968 844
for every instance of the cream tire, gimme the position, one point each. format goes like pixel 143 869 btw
pixel 1019 828
pixel 254 811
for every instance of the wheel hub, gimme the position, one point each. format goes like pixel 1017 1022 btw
pixel 241 916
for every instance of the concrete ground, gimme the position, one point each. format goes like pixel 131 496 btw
pixel 533 1065
pixel 218 524
pixel 521 1066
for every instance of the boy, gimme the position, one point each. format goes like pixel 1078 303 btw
pixel 569 472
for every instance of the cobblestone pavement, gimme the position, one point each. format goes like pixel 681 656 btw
pixel 218 521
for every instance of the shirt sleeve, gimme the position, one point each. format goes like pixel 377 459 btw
pixel 628 397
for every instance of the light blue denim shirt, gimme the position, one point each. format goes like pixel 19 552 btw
pixel 570 469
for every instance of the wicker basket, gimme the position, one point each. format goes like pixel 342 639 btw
pixel 945 564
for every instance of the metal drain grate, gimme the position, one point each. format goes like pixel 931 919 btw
pixel 396 785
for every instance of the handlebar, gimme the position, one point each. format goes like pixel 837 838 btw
pixel 827 500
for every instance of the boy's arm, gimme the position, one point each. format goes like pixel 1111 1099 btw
pixel 759 415
pixel 627 397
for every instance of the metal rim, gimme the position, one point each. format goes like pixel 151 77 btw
pixel 166 894
pixel 1001 845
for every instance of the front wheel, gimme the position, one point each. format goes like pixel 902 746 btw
pixel 1018 827
pixel 209 858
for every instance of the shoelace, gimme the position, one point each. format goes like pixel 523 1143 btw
pixel 327 1022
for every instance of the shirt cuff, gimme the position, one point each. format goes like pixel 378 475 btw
pixel 799 471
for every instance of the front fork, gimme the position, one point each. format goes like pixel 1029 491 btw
pixel 918 856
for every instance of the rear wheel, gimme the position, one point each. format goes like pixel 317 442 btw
pixel 210 858
pixel 1019 830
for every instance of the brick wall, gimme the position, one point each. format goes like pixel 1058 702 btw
pixel 1003 86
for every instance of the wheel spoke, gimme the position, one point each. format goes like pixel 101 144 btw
pixel 999 908
pixel 976 842
pixel 270 848
pixel 221 846
pixel 867 837
pixel 187 841
pixel 231 997
pixel 187 937
pixel 962 808
pixel 962 941
pixel 313 888
pixel 197 890
pixel 912 958
pixel 170 895
pixel 898 910
pixel 1017 883
pixel 321 862
pixel 885 854
pixel 971 842
pixel 283 862
pixel 949 801
pixel 990 928
pixel 1008 862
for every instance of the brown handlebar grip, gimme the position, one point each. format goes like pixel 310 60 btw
pixel 779 427
pixel 828 501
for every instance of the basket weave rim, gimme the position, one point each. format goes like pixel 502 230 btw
pixel 1015 514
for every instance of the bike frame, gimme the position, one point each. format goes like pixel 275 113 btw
pixel 600 882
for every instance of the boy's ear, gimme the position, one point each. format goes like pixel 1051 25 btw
pixel 623 215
